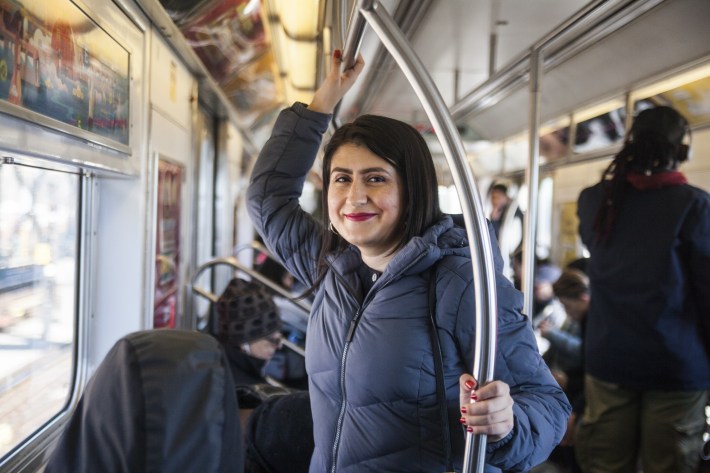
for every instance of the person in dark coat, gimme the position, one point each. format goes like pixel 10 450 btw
pixel 647 343
pixel 249 329
pixel 162 401
pixel 565 359
pixel 383 243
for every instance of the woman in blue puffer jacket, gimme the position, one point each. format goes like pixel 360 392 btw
pixel 369 355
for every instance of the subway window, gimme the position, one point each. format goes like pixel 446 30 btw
pixel 39 240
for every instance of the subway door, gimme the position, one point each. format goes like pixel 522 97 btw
pixel 228 188
pixel 204 223
pixel 170 240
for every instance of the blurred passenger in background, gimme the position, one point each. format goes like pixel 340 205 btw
pixel 507 221
pixel 564 356
pixel 647 345
pixel 565 359
pixel 547 309
pixel 500 202
pixel 287 366
pixel 249 329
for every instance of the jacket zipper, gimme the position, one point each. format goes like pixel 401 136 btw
pixel 341 414
pixel 348 339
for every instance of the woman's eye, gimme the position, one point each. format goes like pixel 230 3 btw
pixel 340 179
pixel 376 179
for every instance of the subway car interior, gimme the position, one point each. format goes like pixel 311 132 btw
pixel 129 128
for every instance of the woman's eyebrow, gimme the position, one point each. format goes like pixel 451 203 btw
pixel 339 169
pixel 362 171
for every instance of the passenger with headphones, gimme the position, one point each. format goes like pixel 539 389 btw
pixel 647 343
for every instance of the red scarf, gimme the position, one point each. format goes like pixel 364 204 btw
pixel 643 182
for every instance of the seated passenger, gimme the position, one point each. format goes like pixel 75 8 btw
pixel 565 352
pixel 287 366
pixel 565 359
pixel 249 325
pixel 546 308
pixel 161 401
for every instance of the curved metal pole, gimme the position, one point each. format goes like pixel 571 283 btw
pixel 476 225
pixel 532 179
pixel 236 264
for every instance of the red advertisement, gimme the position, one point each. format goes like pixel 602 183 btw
pixel 167 245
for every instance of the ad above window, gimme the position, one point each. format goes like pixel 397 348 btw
pixel 57 62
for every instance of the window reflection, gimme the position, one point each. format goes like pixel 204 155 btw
pixel 555 144
pixel 600 131
pixel 38 260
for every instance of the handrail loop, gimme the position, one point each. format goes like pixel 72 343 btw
pixel 234 263
pixel 472 207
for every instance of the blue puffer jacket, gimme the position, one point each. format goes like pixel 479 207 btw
pixel 648 325
pixel 369 356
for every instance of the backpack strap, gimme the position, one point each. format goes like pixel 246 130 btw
pixel 439 372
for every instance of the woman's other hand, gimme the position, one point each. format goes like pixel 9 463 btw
pixel 336 84
pixel 487 410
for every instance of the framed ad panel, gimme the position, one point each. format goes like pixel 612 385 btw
pixel 65 71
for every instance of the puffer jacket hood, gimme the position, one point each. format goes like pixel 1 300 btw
pixel 162 401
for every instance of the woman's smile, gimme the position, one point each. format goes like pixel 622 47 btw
pixel 360 217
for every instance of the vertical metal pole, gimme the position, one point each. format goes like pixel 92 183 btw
pixel 532 179
pixel 476 225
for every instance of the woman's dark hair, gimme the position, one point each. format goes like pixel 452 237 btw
pixel 404 148
pixel 572 284
pixel 653 146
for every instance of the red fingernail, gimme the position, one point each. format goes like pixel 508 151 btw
pixel 462 420
pixel 469 429
pixel 337 54
pixel 469 384
pixel 474 396
pixel 464 410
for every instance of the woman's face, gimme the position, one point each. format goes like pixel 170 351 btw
pixel 365 196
